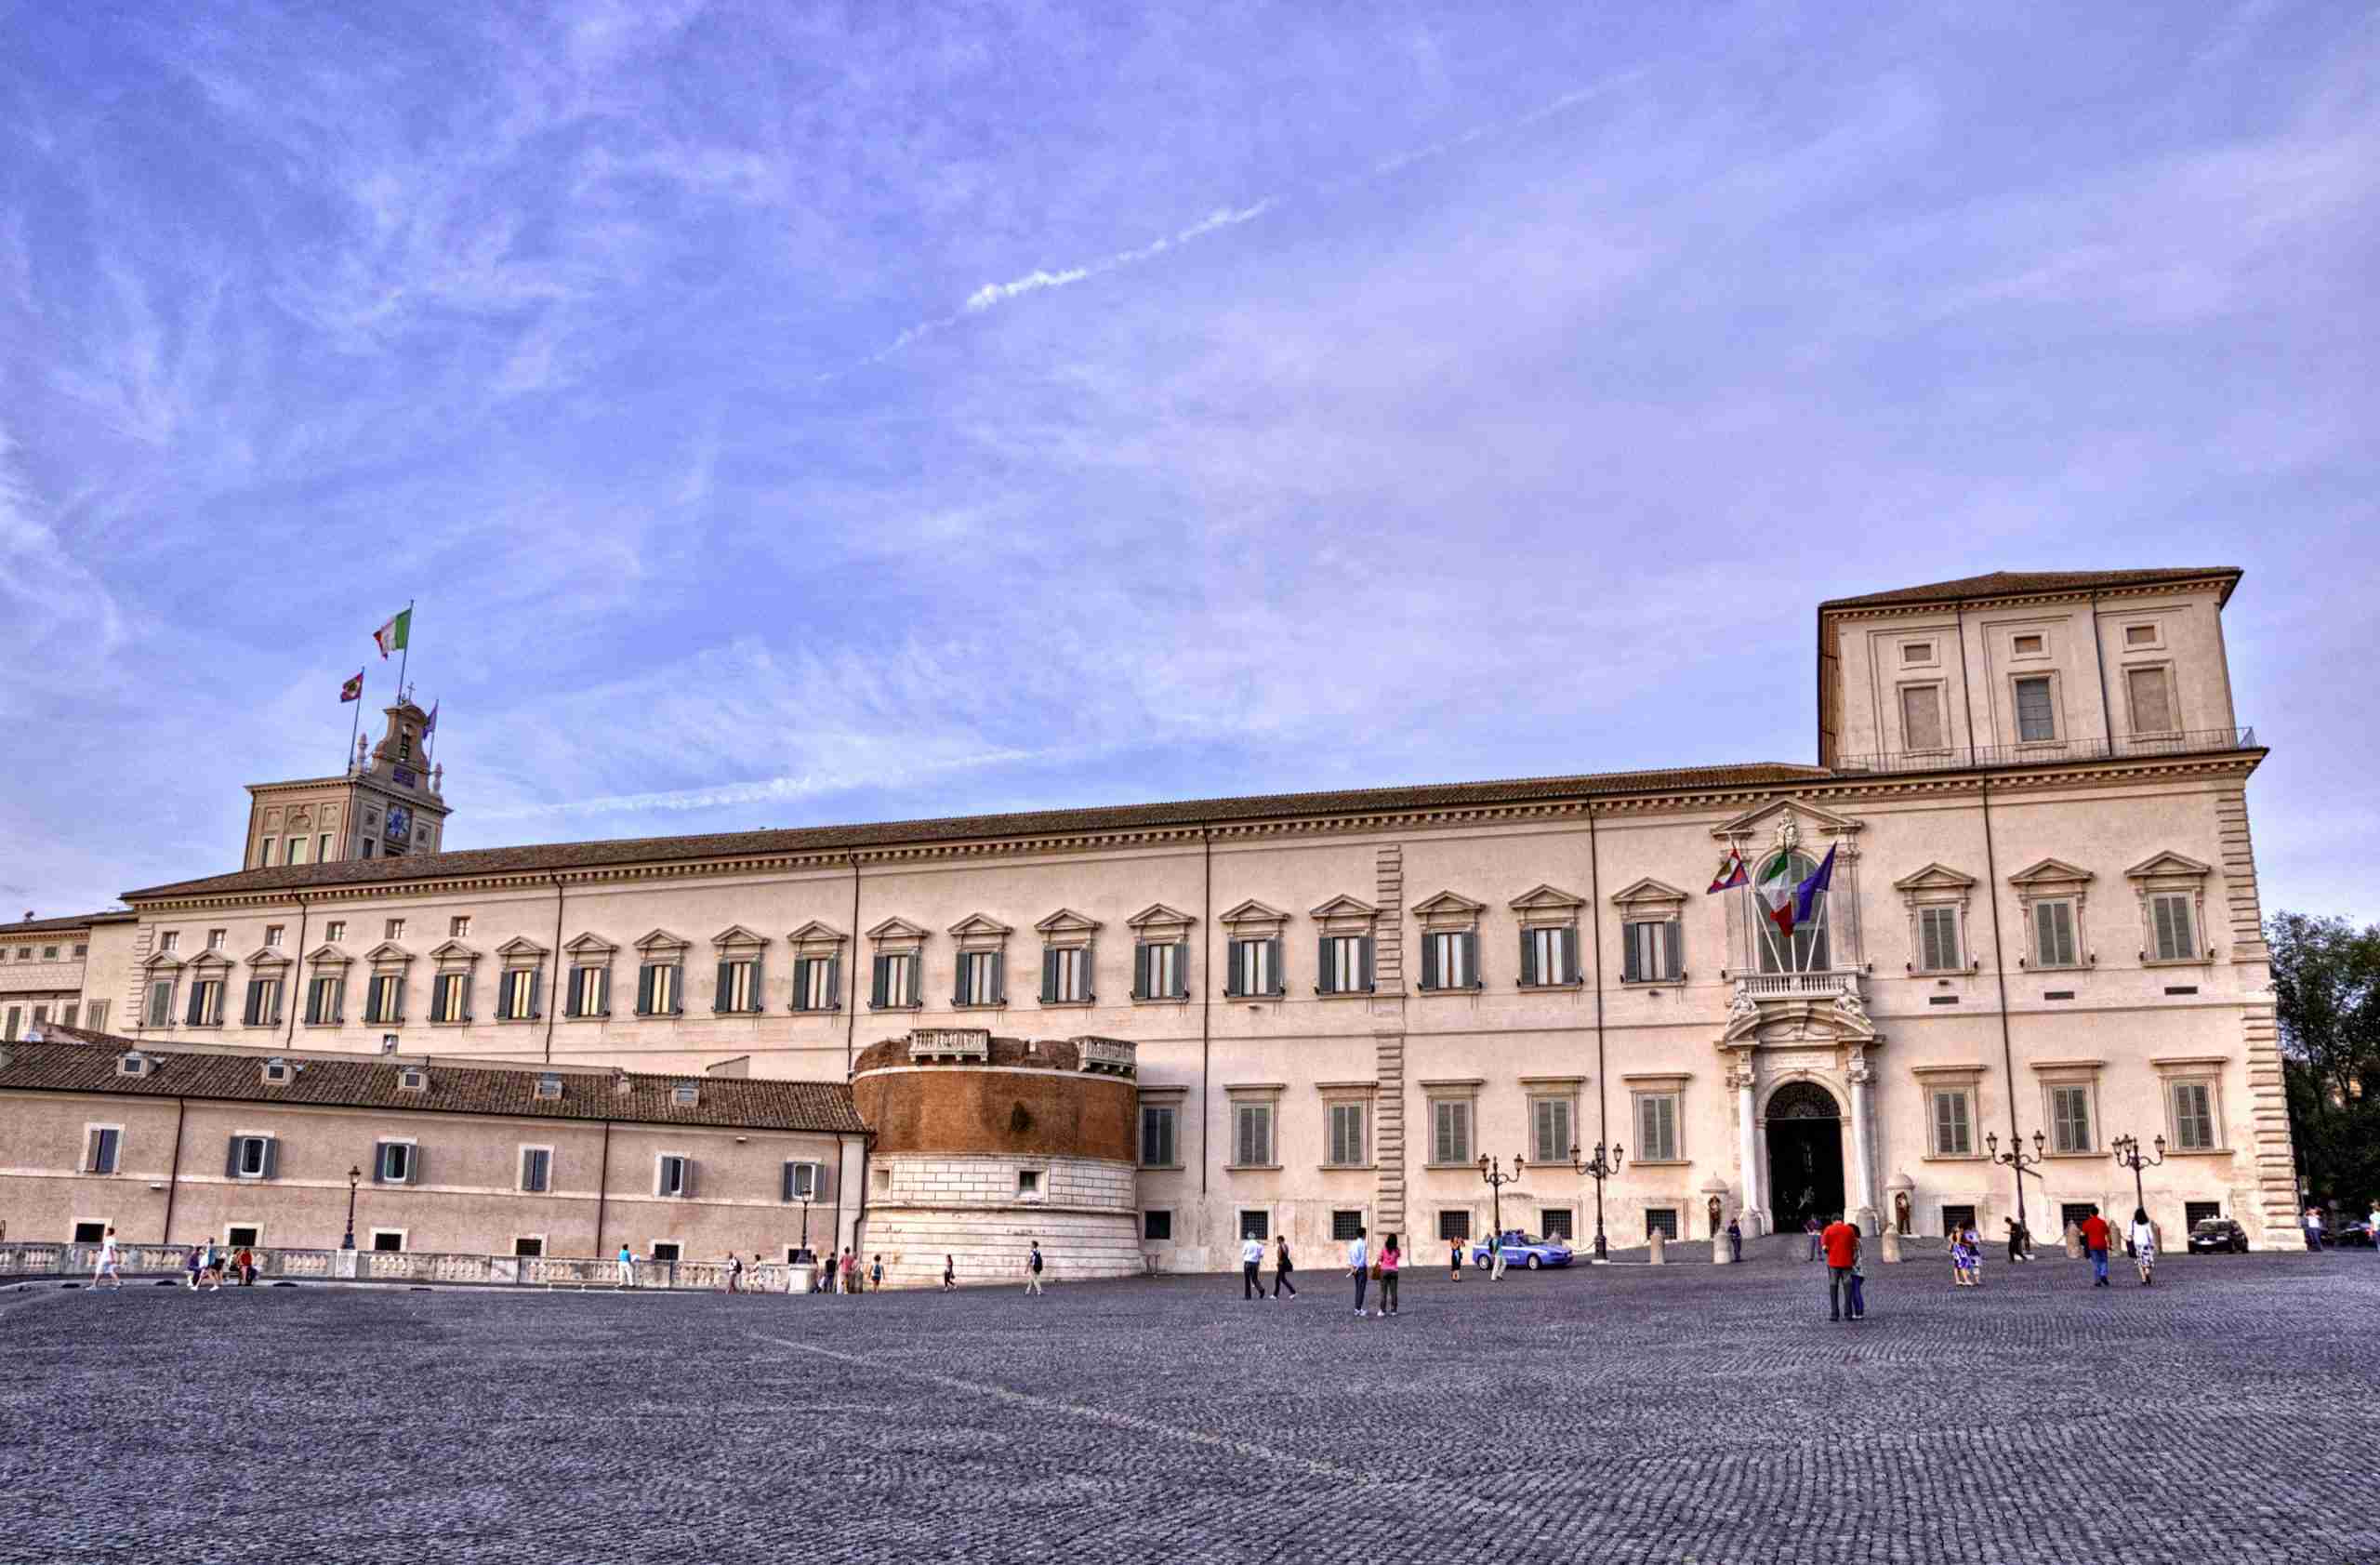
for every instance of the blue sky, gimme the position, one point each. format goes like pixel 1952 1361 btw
pixel 787 413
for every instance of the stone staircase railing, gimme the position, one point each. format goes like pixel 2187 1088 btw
pixel 407 1266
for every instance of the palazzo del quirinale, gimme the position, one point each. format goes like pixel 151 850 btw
pixel 2013 906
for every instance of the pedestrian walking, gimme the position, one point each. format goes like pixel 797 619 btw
pixel 2372 1227
pixel 2144 1247
pixel 1360 1267
pixel 189 1267
pixel 1974 1241
pixel 245 1262
pixel 1810 1227
pixel 2094 1244
pixel 1735 1240
pixel 1033 1269
pixel 2019 1242
pixel 876 1274
pixel 950 1274
pixel 2314 1228
pixel 105 1269
pixel 627 1268
pixel 1857 1283
pixel 735 1283
pixel 1388 1261
pixel 1252 1263
pixel 1958 1257
pixel 1840 1242
pixel 851 1270
pixel 212 1269
pixel 1282 1267
pixel 1496 1256
pixel 1454 1257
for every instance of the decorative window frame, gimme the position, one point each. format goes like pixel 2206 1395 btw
pixel 1549 1089
pixel 2060 738
pixel 1235 1096
pixel 2047 630
pixel 1546 907
pixel 1174 1098
pixel 2053 880
pixel 1940 685
pixel 1930 644
pixel 736 943
pixel 1066 930
pixel 2084 1073
pixel 661 948
pixel 209 966
pixel 1450 912
pixel 898 937
pixel 1340 1094
pixel 2127 623
pixel 2171 874
pixel 588 950
pixel 1157 924
pixel 519 955
pixel 1253 920
pixel 979 934
pixel 267 964
pixel 1651 901
pixel 454 959
pixel 1966 1080
pixel 1643 1085
pixel 1938 885
pixel 1341 917
pixel 327 962
pixel 2193 1070
pixel 816 941
pixel 2163 667
pixel 1457 1089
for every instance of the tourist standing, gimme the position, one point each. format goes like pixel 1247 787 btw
pixel 2144 1247
pixel 2314 1228
pixel 1973 1239
pixel 245 1262
pixel 1810 1227
pixel 734 1272
pixel 1735 1240
pixel 1358 1267
pixel 1454 1258
pixel 876 1274
pixel 949 1274
pixel 1496 1256
pixel 1251 1264
pixel 1958 1257
pixel 627 1268
pixel 105 1269
pixel 2094 1244
pixel 1282 1267
pixel 851 1270
pixel 1033 1269
pixel 1839 1242
pixel 1388 1261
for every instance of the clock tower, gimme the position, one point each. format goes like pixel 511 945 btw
pixel 388 804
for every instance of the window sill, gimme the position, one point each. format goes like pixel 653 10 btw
pixel 1255 999
pixel 899 1005
pixel 329 1021
pixel 1969 971
pixel 2177 962
pixel 717 1012
pixel 1085 1003
pixel 1168 999
pixel 2091 1156
pixel 657 1015
pixel 2198 1151
pixel 1660 1162
pixel 813 1010
pixel 1472 990
pixel 1954 1158
pixel 979 1005
pixel 1251 1168
pixel 1160 1168
pixel 1347 1168
pixel 516 1021
pixel 590 1016
pixel 1653 982
pixel 1468 1167
pixel 1567 984
pixel 1320 993
pixel 449 1021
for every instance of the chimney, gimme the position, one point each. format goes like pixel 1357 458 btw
pixel 621 1085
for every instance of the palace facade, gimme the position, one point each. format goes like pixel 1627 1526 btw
pixel 2039 931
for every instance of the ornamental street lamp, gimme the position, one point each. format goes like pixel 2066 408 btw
pixel 805 1229
pixel 1599 1169
pixel 354 1177
pixel 2016 1159
pixel 2127 1151
pixel 1493 1171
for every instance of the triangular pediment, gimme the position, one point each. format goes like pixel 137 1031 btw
pixel 816 930
pixel 521 945
pixel 388 950
pixel 590 943
pixel 210 960
pixel 1065 921
pixel 2167 864
pixel 1936 877
pixel 163 961
pixel 1765 819
pixel 1545 899
pixel 896 929
pixel 1648 891
pixel 1253 911
pixel 980 923
pixel 268 956
pixel 2050 871
pixel 736 934
pixel 661 940
pixel 1345 907
pixel 453 950
pixel 1448 902
pixel 1159 913
pixel 327 955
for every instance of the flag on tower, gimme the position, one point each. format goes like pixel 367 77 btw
pixel 353 689
pixel 1731 871
pixel 391 636
pixel 429 728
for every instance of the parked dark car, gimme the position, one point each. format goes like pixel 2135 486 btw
pixel 2210 1235
pixel 2351 1236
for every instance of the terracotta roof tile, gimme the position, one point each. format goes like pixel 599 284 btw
pixel 88 1065
pixel 40 926
pixel 536 859
pixel 2004 584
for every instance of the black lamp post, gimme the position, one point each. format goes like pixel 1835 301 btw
pixel 354 1177
pixel 2127 1151
pixel 805 1226
pixel 2016 1159
pixel 1493 1171
pixel 1599 1169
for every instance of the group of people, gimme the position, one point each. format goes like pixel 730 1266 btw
pixel 2099 1235
pixel 2313 1221
pixel 1363 1265
pixel 204 1265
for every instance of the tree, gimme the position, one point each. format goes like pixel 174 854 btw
pixel 2326 993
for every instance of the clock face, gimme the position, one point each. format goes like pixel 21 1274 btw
pixel 400 826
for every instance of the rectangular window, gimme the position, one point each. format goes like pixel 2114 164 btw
pixel 657 989
pixel 458 926
pixel 1158 1226
pixel 1346 965
pixel 2031 646
pixel 1937 940
pixel 16 1019
pixel 2152 700
pixel 50 953
pixel 394 930
pixel 170 940
pixel 389 1241
pixel 1661 1220
pixel 2070 1119
pixel 161 1003
pixel 2170 915
pixel 1454 1222
pixel 529 1247
pixel 896 981
pixel 1028 1182
pixel 1346 1135
pixel 242 1236
pixel 536 1168
pixel 1550 1129
pixel 1251 1142
pixel 802 1181
pixel 2196 1212
pixel 300 850
pixel 272 937
pixel 95 1018
pixel 1917 652
pixel 1255 1222
pixel 1649 953
pixel 1920 716
pixel 2140 635
pixel 1161 970
pixel 518 995
pixel 815 983
pixel 396 1162
pixel 590 991
pixel 251 1156
pixel 207 1002
pixel 1345 1224
pixel 450 997
pixel 1953 1126
pixel 665 1250
pixel 385 999
pixel 215 938
pixel 1451 1129
pixel 2194 1117
pixel 67 1014
pixel 1656 1128
pixel 1255 969
pixel 1548 956
pixel 265 850
pixel 1156 1135
pixel 2054 944
pixel 263 1008
pixel 978 979
pixel 739 987
pixel 1556 1223
pixel 1450 960
pixel 100 1156
pixel 323 848
pixel 674 1177
pixel 1957 1219
pixel 335 930
pixel 323 994
pixel 1066 975
pixel 2036 721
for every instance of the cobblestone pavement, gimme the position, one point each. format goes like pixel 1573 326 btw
pixel 1698 1413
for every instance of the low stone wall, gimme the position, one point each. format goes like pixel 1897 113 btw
pixel 150 1261
pixel 975 1210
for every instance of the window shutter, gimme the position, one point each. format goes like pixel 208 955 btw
pixel 1528 956
pixel 338 1000
pixel 437 998
pixel 686 1178
pixel 231 1158
pixel 272 1156
pixel 1673 957
pixel 882 977
pixel 248 1015
pixel 1429 961
pixel 834 982
pixel 959 988
pixel 644 989
pixel 197 1001
pixel 719 992
pixel 380 1164
pixel 1629 939
pixel 1323 979
pixel 1364 953
pixel 604 991
pixel 1277 979
pixel 1181 987
pixel 1471 960
pixel 536 994
pixel 1567 943
pixel 1048 975
pixel 572 987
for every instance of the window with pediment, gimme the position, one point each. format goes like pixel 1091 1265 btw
pixel 1450 943
pixel 1937 898
pixel 1067 952
pixel 2172 893
pixel 1549 938
pixel 980 980
pixel 1343 956
pixel 2050 900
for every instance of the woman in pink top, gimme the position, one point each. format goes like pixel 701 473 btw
pixel 1388 1263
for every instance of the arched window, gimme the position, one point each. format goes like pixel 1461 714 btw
pixel 1806 952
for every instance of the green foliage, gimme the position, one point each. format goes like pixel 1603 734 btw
pixel 2326 989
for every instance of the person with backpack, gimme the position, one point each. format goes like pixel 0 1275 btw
pixel 1033 1269
pixel 1282 1267
pixel 876 1274
pixel 2144 1247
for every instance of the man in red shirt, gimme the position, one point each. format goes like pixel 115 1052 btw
pixel 2094 1244
pixel 1841 1241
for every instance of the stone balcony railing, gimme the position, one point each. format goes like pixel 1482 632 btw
pixel 1797 986
pixel 407 1266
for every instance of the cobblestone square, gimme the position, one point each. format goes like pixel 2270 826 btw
pixel 1630 1414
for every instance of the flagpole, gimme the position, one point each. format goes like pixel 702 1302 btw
pixel 406 652
pixel 354 728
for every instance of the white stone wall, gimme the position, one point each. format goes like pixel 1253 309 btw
pixel 921 1209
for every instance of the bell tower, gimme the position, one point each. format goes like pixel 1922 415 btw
pixel 389 803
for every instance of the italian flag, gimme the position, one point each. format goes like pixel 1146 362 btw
pixel 1774 890
pixel 391 637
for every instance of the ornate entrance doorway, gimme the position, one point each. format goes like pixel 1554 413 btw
pixel 1805 1155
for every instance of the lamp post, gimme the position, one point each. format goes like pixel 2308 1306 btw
pixel 2015 1159
pixel 2127 1151
pixel 1599 1169
pixel 805 1227
pixel 1493 1171
pixel 354 1177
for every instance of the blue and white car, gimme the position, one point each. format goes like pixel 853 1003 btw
pixel 1523 1249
